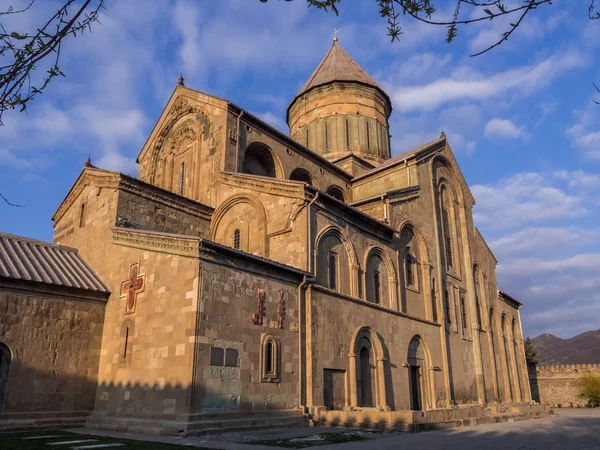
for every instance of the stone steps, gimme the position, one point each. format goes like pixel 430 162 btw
pixel 217 427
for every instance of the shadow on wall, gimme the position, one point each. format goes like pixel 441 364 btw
pixel 533 382
pixel 30 390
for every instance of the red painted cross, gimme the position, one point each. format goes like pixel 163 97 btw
pixel 132 287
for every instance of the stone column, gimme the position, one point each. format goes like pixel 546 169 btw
pixel 381 400
pixel 353 401
pixel 354 280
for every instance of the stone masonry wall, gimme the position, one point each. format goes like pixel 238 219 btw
pixel 555 385
pixel 55 344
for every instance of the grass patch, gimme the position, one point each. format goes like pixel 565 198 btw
pixel 16 441
pixel 319 439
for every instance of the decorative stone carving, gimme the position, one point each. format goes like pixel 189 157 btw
pixel 259 316
pixel 280 310
pixel 131 287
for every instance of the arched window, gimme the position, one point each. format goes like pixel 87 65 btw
pixel 477 294
pixel 326 136
pixel 368 134
pixel 409 270
pixel 336 192
pixel 258 160
pixel 447 238
pixel 301 175
pixel 270 359
pixel 5 360
pixel 347 133
pixel 182 178
pixel 127 330
pixel 307 136
pixel 434 307
pixel 236 239
pixel 333 267
pixel 448 309
pixel 377 286
pixel 82 216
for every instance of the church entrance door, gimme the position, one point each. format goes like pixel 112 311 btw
pixel 365 382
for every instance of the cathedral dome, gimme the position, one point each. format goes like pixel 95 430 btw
pixel 341 110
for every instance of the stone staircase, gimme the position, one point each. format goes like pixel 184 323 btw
pixel 31 421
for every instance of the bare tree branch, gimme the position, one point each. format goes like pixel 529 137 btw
pixel 596 87
pixel 20 53
pixel 9 203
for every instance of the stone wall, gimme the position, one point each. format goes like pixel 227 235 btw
pixel 54 343
pixel 555 385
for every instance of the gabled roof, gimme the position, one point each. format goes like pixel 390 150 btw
pixel 27 259
pixel 337 66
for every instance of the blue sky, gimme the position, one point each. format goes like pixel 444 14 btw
pixel 520 119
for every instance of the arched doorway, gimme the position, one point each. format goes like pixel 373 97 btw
pixel 258 160
pixel 301 175
pixel 417 373
pixel 5 359
pixel 365 378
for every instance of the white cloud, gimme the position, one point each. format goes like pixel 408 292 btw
pixel 504 128
pixel 274 120
pixel 524 198
pixel 117 162
pixel 584 180
pixel 541 241
pixel 585 132
pixel 525 80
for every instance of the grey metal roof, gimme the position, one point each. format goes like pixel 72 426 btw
pixel 37 261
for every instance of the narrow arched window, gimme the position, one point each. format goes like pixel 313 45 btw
pixel 307 136
pixel 463 311
pixel 326 136
pixel 236 239
pixel 478 306
pixel 347 133
pixel 409 271
pixel 182 178
pixel 447 301
pixel 270 355
pixel 82 215
pixel 126 343
pixel 368 136
pixel 377 286
pixel 447 238
pixel 332 270
pixel 269 358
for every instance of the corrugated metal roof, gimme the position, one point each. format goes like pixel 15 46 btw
pixel 37 261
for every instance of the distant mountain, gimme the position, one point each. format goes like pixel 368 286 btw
pixel 583 348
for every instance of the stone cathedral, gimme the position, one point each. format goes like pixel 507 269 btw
pixel 248 277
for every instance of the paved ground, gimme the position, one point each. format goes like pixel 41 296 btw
pixel 573 429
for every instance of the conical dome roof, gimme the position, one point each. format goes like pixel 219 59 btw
pixel 337 66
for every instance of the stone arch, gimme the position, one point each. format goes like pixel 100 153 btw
pixel 303 175
pixel 442 160
pixel 336 192
pixel 365 337
pixel 5 363
pixel 184 121
pixel 350 262
pixel 387 288
pixel 411 237
pixel 260 160
pixel 244 210
pixel 420 379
